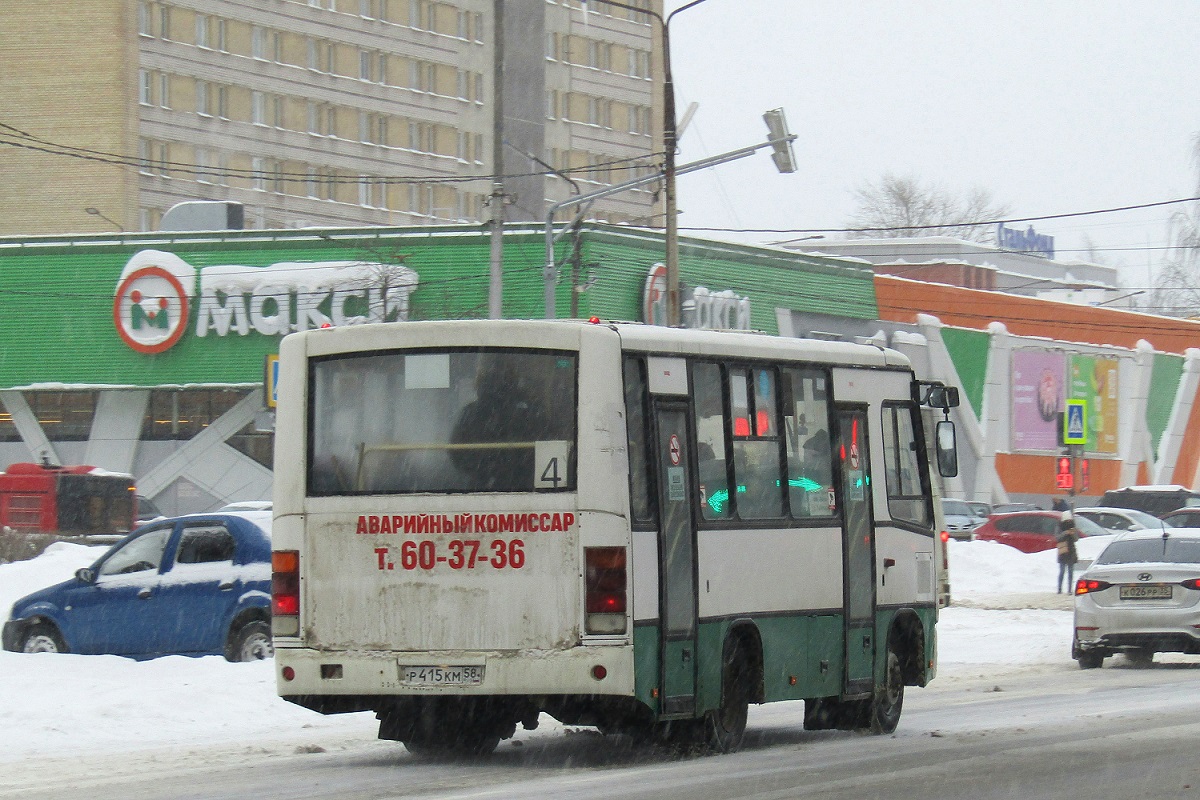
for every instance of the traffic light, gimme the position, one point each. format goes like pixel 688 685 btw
pixel 1064 478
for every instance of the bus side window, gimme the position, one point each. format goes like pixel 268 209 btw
pixel 640 484
pixel 712 469
pixel 755 444
pixel 809 451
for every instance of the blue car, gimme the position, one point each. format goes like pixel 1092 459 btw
pixel 192 585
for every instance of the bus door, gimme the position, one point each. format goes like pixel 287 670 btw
pixel 858 547
pixel 677 561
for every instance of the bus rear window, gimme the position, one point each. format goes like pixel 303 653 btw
pixel 451 421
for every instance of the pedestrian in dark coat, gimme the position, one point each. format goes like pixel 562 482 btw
pixel 1067 536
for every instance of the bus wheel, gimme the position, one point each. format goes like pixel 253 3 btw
pixel 726 726
pixel 888 701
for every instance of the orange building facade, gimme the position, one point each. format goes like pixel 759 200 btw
pixel 1020 361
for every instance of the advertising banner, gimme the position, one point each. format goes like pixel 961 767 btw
pixel 1037 398
pixel 1095 380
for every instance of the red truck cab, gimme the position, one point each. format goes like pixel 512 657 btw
pixel 73 500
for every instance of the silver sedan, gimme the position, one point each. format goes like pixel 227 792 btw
pixel 1141 596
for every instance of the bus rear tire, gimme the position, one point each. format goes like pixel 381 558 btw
pixel 726 726
pixel 888 701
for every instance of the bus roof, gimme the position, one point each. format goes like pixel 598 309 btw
pixel 634 336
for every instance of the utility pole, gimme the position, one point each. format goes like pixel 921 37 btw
pixel 496 273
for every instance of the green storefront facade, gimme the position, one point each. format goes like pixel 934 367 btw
pixel 147 341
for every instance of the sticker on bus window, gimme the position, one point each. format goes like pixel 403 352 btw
pixel 675 484
pixel 427 371
pixel 857 487
pixel 550 464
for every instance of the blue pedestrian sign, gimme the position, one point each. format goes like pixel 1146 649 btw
pixel 1075 422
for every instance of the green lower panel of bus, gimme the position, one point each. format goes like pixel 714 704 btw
pixel 803 656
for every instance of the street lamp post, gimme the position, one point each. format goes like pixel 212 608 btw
pixel 95 212
pixel 671 231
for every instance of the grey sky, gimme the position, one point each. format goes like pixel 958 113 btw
pixel 1054 107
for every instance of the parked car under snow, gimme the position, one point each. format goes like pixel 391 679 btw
pixel 193 585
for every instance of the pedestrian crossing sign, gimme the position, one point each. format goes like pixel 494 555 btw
pixel 1075 422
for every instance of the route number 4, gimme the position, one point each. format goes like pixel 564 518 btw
pixel 550 464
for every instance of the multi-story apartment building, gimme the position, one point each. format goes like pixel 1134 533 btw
pixel 322 112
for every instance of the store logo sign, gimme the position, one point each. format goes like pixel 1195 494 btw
pixel 151 309
pixel 159 294
pixel 700 308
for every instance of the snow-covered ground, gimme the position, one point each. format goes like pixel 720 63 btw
pixel 1005 612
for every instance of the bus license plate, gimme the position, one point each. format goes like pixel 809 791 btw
pixel 441 675
pixel 1150 591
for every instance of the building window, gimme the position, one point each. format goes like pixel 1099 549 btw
pixel 381 74
pixel 145 87
pixel 222 36
pixel 258 43
pixel 164 90
pixel 277 109
pixel 422 15
pixel 145 26
pixel 366 71
pixel 258 108
pixel 552 104
pixel 164 21
pixel 202 31
pixel 312 183
pixel 145 158
pixel 164 159
pixel 202 99
pixel 366 9
pixel 599 55
pixel 180 414
pixel 203 166
pixel 223 102
pixel 258 180
pixel 64 416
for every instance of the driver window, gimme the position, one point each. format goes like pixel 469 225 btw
pixel 143 554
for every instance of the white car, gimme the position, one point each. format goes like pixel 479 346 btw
pixel 960 519
pixel 1140 596
pixel 246 505
pixel 1120 520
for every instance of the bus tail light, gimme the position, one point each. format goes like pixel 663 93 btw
pixel 285 593
pixel 606 583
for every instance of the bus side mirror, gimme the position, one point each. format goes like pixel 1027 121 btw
pixel 947 449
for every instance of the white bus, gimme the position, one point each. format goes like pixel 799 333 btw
pixel 634 527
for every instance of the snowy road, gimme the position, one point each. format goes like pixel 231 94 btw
pixel 1048 731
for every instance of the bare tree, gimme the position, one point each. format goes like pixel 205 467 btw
pixel 897 206
pixel 1177 288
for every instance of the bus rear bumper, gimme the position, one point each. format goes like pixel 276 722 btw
pixel 582 670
